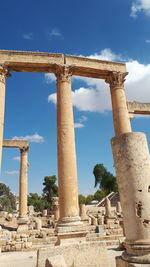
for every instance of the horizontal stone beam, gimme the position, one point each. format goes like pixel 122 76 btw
pixel 138 108
pixel 16 143
pixel 22 61
pixel 93 68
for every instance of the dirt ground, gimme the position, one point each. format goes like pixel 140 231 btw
pixel 28 259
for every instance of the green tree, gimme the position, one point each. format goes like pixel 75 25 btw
pixel 50 189
pixel 89 198
pixel 37 201
pixel 105 179
pixel 82 199
pixel 7 198
pixel 100 194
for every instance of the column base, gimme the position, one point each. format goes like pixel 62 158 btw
pixel 22 224
pixel 71 230
pixel 122 263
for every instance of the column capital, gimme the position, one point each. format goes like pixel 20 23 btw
pixel 116 79
pixel 3 73
pixel 24 149
pixel 63 73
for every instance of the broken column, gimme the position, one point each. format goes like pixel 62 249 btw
pixel 23 189
pixel 83 214
pixel 118 207
pixel 132 163
pixel 109 216
pixel 3 75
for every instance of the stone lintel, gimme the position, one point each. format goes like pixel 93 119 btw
pixel 94 68
pixel 23 61
pixel 16 143
pixel 138 108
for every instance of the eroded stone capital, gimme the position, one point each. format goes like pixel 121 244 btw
pixel 3 73
pixel 116 79
pixel 63 73
pixel 24 149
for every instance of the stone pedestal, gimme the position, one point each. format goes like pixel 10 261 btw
pixel 22 224
pixel 132 163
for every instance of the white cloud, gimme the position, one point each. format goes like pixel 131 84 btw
pixel 95 96
pixel 55 32
pixel 147 41
pixel 11 172
pixel 140 5
pixel 35 138
pixel 16 158
pixel 82 118
pixel 78 125
pixel 28 36
pixel 50 77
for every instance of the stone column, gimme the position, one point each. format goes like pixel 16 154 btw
pixel 3 75
pixel 83 214
pixel 132 163
pixel 119 107
pixel 118 207
pixel 67 169
pixel 108 211
pixel 23 189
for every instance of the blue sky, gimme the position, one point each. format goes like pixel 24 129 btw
pixel 110 30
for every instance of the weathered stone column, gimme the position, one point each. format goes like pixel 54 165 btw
pixel 67 169
pixel 132 163
pixel 23 189
pixel 119 107
pixel 3 75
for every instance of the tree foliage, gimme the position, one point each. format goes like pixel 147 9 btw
pixel 82 199
pixel 50 189
pixel 37 201
pixel 7 198
pixel 100 194
pixel 105 179
pixel 89 198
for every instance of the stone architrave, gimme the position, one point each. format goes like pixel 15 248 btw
pixel 67 169
pixel 3 75
pixel 23 188
pixel 132 163
pixel 119 106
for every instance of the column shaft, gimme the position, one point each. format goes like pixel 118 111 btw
pixel 67 170
pixel 3 75
pixel 119 106
pixel 23 189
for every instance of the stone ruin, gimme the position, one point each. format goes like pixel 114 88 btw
pixel 64 237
